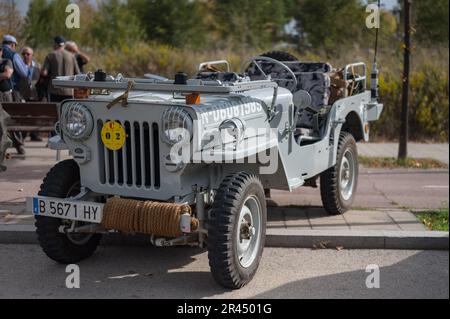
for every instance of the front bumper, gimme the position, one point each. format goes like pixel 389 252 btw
pixel 128 216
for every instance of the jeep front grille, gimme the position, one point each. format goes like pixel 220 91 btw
pixel 137 163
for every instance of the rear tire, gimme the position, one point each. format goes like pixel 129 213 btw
pixel 63 181
pixel 338 185
pixel 237 230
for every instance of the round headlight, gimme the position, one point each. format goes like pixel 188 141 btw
pixel 177 126
pixel 76 121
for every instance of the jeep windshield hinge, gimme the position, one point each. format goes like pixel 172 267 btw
pixel 272 109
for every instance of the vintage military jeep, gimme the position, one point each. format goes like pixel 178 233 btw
pixel 190 161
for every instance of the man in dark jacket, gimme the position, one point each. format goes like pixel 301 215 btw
pixel 6 95
pixel 9 46
pixel 21 70
pixel 6 71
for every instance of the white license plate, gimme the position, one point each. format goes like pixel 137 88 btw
pixel 66 209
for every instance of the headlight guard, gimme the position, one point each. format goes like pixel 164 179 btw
pixel 177 126
pixel 76 122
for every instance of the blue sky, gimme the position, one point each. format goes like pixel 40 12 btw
pixel 23 4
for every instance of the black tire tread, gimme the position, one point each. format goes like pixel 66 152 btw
pixel 221 223
pixel 329 180
pixel 56 246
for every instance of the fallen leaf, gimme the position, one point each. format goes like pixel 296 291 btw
pixel 321 245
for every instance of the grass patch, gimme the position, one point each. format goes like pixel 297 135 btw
pixel 390 162
pixel 435 220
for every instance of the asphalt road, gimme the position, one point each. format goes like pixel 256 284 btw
pixel 148 272
pixel 381 188
pixel 377 188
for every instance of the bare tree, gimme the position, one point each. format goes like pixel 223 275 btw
pixel 11 21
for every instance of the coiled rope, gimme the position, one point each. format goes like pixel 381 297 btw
pixel 150 218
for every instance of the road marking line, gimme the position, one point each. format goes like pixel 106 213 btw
pixel 124 276
pixel 436 186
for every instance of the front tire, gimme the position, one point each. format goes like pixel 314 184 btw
pixel 338 185
pixel 237 230
pixel 63 181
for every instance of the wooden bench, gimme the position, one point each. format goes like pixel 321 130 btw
pixel 31 117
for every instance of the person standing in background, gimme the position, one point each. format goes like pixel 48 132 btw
pixel 20 68
pixel 82 59
pixel 59 63
pixel 6 95
pixel 27 85
pixel 6 72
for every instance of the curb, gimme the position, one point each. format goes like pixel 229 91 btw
pixel 287 238
pixel 379 171
pixel 353 239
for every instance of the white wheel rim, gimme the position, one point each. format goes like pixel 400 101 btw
pixel 75 238
pixel 249 229
pixel 347 175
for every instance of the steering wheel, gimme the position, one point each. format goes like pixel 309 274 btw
pixel 290 84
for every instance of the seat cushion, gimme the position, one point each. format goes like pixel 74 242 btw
pixel 318 86
pixel 312 77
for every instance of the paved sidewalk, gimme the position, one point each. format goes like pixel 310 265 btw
pixel 292 218
pixel 438 152
pixel 316 218
pixel 288 227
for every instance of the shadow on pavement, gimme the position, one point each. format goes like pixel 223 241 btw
pixel 408 279
pixel 131 272
pixel 167 273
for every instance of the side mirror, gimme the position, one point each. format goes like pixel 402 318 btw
pixel 302 99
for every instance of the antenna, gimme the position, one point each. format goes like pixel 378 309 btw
pixel 374 76
pixel 377 31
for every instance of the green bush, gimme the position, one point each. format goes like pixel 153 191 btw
pixel 429 96
pixel 160 59
pixel 429 104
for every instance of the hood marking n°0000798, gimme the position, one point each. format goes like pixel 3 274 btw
pixel 228 110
